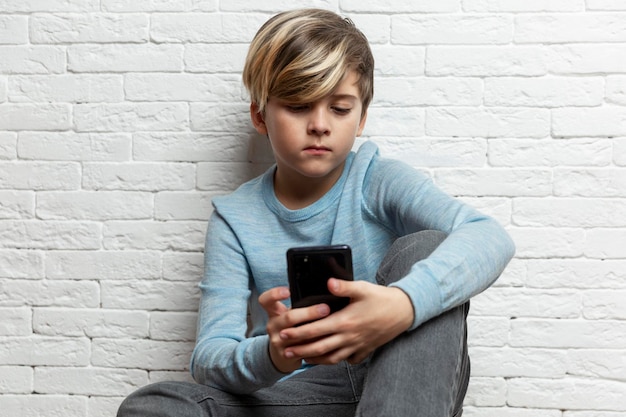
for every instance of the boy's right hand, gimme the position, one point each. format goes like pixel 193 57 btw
pixel 280 318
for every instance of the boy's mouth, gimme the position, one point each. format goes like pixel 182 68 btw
pixel 317 150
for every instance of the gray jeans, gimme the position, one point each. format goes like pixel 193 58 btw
pixel 422 373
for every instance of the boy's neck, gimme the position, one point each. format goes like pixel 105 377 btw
pixel 297 192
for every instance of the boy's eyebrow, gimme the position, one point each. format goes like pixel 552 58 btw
pixel 344 96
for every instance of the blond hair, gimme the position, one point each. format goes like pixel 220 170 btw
pixel 302 55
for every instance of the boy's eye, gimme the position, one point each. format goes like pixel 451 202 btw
pixel 296 108
pixel 341 110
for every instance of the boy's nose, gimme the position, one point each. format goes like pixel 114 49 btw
pixel 318 122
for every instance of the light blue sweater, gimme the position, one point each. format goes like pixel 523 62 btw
pixel 375 201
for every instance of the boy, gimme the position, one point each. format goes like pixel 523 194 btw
pixel 399 348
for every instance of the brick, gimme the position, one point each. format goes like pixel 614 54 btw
pixel 572 122
pixel 44 351
pixel 488 122
pixel 509 412
pixel 8 145
pixel 568 334
pixel 32 59
pixel 103 406
pixel 89 28
pixel 49 293
pixel 485 61
pixel 550 152
pixel 606 243
pixel 173 326
pixel 576 273
pixel 142 354
pixel 587 413
pixel 483 6
pixel 437 152
pixel 274 6
pixel 15 322
pixel 495 182
pixel 28 6
pixel 88 381
pixel 49 235
pixel 125 58
pixel 488 331
pixel 17 204
pixel 604 305
pixel 188 147
pixel 13 30
pixel 74 322
pixel 94 205
pixel 543 243
pixel 515 363
pixel 605 363
pixel 103 265
pixel 39 176
pixel 605 5
pixel 182 87
pixel 619 152
pixel 570 393
pixel 43 405
pixel 515 302
pixel 586 58
pixel 215 58
pixel 498 208
pixel 616 89
pixel 183 266
pixel 35 117
pixel 75 88
pixel 399 6
pixel 159 5
pixel 231 119
pixel 567 212
pixel 71 146
pixel 486 392
pixel 130 117
pixel 423 91
pixel 395 121
pixel 182 206
pixel 15 380
pixel 451 29
pixel 590 182
pixel 145 235
pixel 397 60
pixel 21 264
pixel 151 295
pixel 205 27
pixel 138 176
pixel 375 27
pixel 221 176
pixel 544 91
pixel 570 28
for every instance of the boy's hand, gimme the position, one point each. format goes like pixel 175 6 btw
pixel 281 318
pixel 376 314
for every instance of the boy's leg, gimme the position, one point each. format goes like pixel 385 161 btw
pixel 319 391
pixel 424 372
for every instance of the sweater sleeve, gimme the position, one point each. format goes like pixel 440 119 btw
pixel 223 357
pixel 469 260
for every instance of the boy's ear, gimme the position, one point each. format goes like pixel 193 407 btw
pixel 362 124
pixel 257 119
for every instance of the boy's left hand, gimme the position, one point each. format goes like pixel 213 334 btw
pixel 376 314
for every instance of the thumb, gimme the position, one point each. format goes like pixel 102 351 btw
pixel 343 288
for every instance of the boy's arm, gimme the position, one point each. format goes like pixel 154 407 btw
pixel 223 357
pixel 466 263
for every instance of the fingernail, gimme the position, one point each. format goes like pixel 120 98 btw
pixel 284 336
pixel 289 354
pixel 323 309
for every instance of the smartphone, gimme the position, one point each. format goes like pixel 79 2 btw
pixel 309 269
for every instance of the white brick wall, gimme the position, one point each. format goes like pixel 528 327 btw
pixel 121 119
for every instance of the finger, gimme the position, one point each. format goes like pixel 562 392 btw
pixel 343 288
pixel 271 299
pixel 300 316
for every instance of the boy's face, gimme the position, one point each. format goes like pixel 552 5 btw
pixel 311 141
